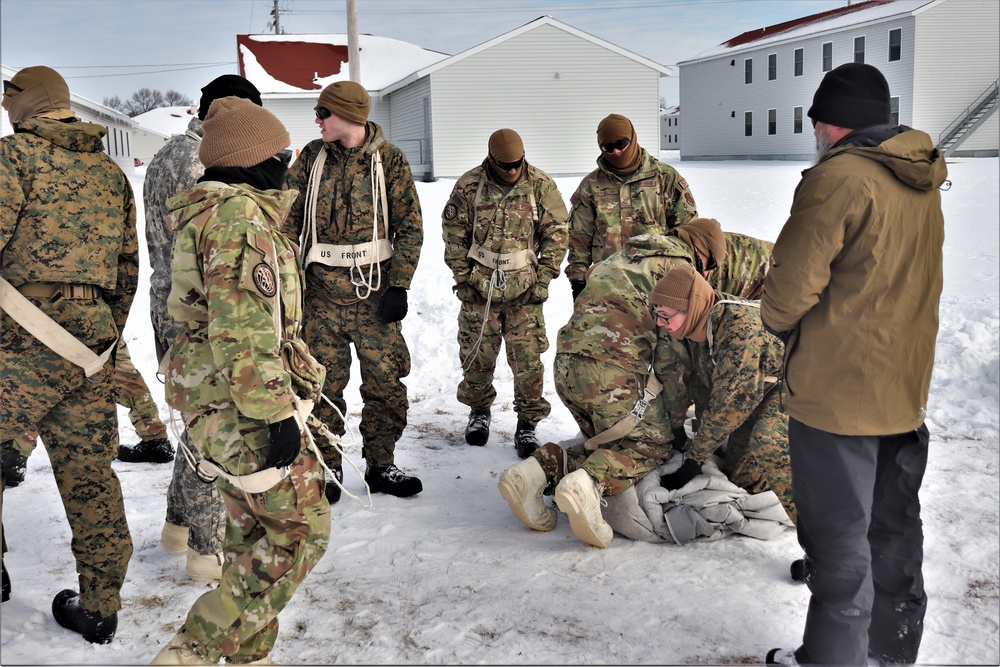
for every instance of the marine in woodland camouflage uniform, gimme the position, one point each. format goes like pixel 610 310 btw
pixel 235 372
pixel 361 304
pixel 516 212
pixel 67 217
pixel 631 193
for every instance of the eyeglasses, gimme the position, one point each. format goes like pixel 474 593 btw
pixel 619 145
pixel 285 156
pixel 667 318
pixel 507 166
pixel 7 85
pixel 322 113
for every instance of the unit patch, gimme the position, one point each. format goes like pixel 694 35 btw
pixel 450 211
pixel 263 278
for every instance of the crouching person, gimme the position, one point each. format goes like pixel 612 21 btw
pixel 736 368
pixel 239 373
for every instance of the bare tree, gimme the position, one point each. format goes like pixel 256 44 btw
pixel 174 98
pixel 114 103
pixel 142 101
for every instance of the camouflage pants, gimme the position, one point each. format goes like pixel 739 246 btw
pixel 132 392
pixel 330 329
pixel 522 329
pixel 195 504
pixel 599 395
pixel 757 454
pixel 78 424
pixel 273 540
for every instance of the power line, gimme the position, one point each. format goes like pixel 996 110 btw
pixel 62 67
pixel 161 71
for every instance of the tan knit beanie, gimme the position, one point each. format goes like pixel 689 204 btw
pixel 346 100
pixel 238 133
pixel 685 289
pixel 37 91
pixel 704 235
pixel 674 289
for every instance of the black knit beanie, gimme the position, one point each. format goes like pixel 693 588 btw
pixel 852 96
pixel 227 85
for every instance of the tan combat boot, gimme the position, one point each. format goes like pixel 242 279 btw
pixel 578 497
pixel 180 651
pixel 174 538
pixel 521 485
pixel 204 568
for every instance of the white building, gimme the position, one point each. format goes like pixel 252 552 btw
pixel 747 98
pixel 670 129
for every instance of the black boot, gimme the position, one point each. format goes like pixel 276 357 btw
pixel 94 627
pixel 148 451
pixel 392 480
pixel 525 440
pixel 332 490
pixel 6 583
pixel 14 467
pixel 478 430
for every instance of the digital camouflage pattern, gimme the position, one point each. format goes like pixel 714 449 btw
pixel 529 215
pixel 68 216
pixel 335 316
pixel 733 399
pixel 607 210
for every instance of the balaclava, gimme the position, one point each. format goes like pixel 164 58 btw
pixel 505 146
pixel 346 100
pixel 704 235
pixel 227 85
pixel 852 96
pixel 613 128
pixel 683 288
pixel 37 92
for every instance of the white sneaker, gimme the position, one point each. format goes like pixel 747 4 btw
pixel 204 568
pixel 578 497
pixel 521 485
pixel 179 651
pixel 174 538
pixel 781 656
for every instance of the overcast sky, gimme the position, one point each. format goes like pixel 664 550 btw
pixel 115 47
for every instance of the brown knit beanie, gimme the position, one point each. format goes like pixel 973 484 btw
pixel 685 289
pixel 704 235
pixel 346 100
pixel 238 133
pixel 37 91
pixel 674 289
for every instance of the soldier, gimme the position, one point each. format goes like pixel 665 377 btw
pixel 359 219
pixel 239 373
pixel 629 194
pixel 68 247
pixel 602 368
pixel 196 516
pixel 505 236
pixel 736 368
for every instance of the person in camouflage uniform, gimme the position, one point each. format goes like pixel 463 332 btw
pixel 68 244
pixel 736 369
pixel 504 230
pixel 196 516
pixel 631 193
pixel 359 218
pixel 238 373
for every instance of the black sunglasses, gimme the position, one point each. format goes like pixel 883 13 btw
pixel 322 113
pixel 620 145
pixel 7 85
pixel 285 156
pixel 507 166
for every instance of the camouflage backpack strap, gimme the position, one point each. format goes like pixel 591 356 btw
pixel 629 421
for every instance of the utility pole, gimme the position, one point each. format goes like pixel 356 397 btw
pixel 277 19
pixel 353 60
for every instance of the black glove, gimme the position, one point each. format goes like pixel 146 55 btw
pixel 537 294
pixel 577 287
pixel 675 480
pixel 393 306
pixel 286 440
pixel 465 292
pixel 680 438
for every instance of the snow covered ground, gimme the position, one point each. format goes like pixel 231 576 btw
pixel 450 576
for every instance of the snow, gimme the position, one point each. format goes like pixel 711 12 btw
pixel 450 576
pixel 168 121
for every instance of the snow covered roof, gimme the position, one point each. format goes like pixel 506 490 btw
pixel 814 24
pixel 308 63
pixel 167 121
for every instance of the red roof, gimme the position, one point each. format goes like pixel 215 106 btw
pixel 770 31
pixel 295 63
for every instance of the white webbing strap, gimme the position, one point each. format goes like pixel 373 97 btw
pixel 629 421
pixel 349 255
pixel 49 332
pixel 504 261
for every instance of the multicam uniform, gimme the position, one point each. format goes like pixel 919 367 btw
pixel 236 285
pixel 608 209
pixel 336 313
pixel 522 227
pixel 67 217
pixel 174 169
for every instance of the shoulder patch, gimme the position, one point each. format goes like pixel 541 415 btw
pixel 450 211
pixel 263 278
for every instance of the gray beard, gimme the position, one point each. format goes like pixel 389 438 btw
pixel 823 144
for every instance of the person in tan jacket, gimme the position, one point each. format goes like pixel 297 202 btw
pixel 854 291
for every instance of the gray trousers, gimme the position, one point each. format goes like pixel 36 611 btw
pixel 859 525
pixel 196 504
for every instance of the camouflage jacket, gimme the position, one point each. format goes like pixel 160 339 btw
pixel 231 266
pixel 67 214
pixel 174 169
pixel 612 318
pixel 503 220
pixel 744 268
pixel 728 380
pixel 607 210
pixel 345 214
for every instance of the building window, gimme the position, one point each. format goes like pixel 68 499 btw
pixel 894 111
pixel 859 49
pixel 797 120
pixel 799 55
pixel 748 70
pixel 827 56
pixel 772 67
pixel 895 44
pixel 748 123
pixel 772 122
